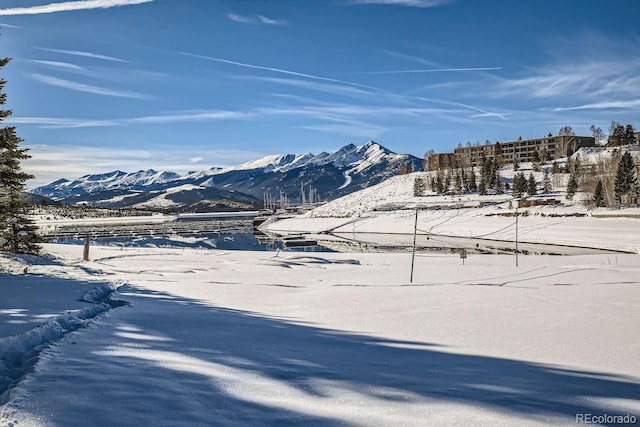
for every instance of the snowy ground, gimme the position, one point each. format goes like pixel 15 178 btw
pixel 389 208
pixel 184 336
pixel 213 337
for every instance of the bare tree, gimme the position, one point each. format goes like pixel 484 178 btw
pixel 597 133
pixel 566 131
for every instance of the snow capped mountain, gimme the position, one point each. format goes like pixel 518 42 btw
pixel 357 159
pixel 275 163
pixel 201 174
pixel 350 156
pixel 95 183
pixel 146 178
pixel 331 175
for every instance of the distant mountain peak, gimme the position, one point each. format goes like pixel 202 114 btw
pixel 331 174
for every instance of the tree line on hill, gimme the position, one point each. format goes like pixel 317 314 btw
pixel 610 181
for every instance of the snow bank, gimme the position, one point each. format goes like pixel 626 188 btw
pixel 18 353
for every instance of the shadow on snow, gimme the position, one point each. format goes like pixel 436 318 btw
pixel 218 343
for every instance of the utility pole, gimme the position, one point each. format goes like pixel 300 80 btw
pixel 516 233
pixel 413 254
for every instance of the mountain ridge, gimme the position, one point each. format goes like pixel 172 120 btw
pixel 345 170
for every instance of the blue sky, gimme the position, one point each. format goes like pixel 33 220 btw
pixel 181 85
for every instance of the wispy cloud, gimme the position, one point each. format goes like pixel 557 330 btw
pixel 479 111
pixel 3 25
pixel 62 65
pixel 50 163
pixel 255 19
pixel 407 105
pixel 343 119
pixel 412 58
pixel 69 6
pixel 561 87
pixel 113 75
pixel 178 117
pixel 370 121
pixel 343 87
pixel 592 68
pixel 604 105
pixel 190 116
pixel 59 122
pixel 318 86
pixel 410 3
pixel 81 87
pixel 84 54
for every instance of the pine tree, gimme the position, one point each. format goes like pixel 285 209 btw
pixel 616 137
pixel 447 182
pixel 485 168
pixel 572 187
pixel 17 231
pixel 419 187
pixel 569 167
pixel 531 185
pixel 598 195
pixel 629 135
pixel 626 179
pixel 472 181
pixel 482 188
pixel 497 152
pixel 494 176
pixel 499 184
pixel 577 165
pixel 465 181
pixel 519 184
pixel 440 182
pixel 546 183
pixel 457 186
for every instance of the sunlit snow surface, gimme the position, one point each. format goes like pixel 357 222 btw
pixel 214 337
pixel 220 337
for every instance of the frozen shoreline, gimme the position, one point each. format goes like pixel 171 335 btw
pixel 619 234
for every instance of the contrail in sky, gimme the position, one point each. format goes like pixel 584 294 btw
pixel 277 70
pixel 433 70
pixel 68 6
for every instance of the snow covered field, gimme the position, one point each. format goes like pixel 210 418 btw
pixel 185 336
pixel 213 337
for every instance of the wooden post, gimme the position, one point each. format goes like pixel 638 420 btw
pixel 85 253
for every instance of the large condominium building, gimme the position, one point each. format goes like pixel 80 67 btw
pixel 551 147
